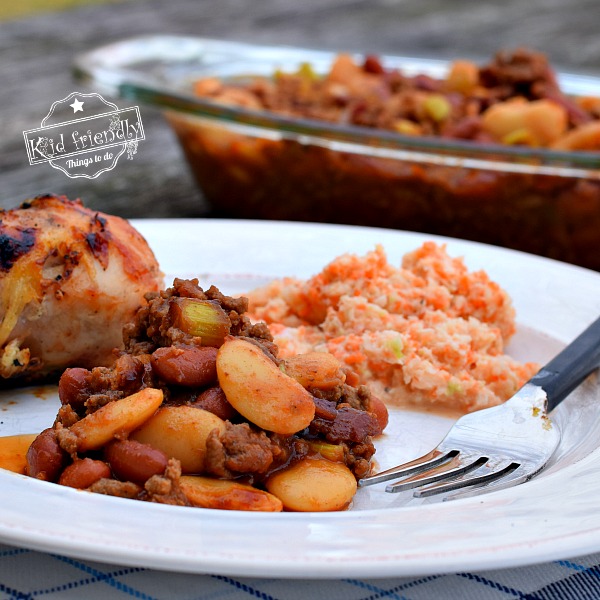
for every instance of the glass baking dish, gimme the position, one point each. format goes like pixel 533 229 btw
pixel 258 164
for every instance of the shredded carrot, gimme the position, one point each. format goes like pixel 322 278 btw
pixel 426 333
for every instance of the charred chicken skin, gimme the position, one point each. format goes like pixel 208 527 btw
pixel 70 277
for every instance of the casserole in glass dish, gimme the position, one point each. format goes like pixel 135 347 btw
pixel 254 163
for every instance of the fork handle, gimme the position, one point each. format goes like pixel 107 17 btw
pixel 571 366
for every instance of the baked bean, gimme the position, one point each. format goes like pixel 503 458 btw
pixel 315 369
pixel 314 484
pixel 258 390
pixel 584 137
pixel 379 409
pixel 539 122
pixel 73 387
pixel 462 77
pixel 208 86
pixel 45 458
pixel 180 432
pixel 191 367
pixel 131 460
pixel 214 400
pixel 133 373
pixel 117 418
pixel 82 473
pixel 205 492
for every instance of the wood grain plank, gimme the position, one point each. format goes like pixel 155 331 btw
pixel 36 54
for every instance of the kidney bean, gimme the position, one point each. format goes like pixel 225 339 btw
pixel 133 373
pixel 372 64
pixel 214 400
pixel 45 457
pixel 190 367
pixel 83 473
pixel 379 409
pixel 134 461
pixel 73 387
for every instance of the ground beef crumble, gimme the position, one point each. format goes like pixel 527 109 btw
pixel 243 450
pixel 112 487
pixel 164 489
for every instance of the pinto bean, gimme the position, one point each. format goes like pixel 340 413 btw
pixel 73 387
pixel 191 367
pixel 214 400
pixel 45 458
pixel 83 473
pixel 131 460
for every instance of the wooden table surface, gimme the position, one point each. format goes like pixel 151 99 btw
pixel 36 55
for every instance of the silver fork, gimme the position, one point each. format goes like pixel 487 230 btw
pixel 504 445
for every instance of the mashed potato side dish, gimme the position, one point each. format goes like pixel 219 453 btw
pixel 427 334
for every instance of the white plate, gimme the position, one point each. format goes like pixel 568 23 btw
pixel 557 515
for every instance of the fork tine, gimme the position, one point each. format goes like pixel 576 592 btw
pixel 476 481
pixel 429 461
pixel 424 479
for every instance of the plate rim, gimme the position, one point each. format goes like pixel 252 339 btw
pixel 332 561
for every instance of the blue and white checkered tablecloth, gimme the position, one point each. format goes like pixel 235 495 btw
pixel 26 574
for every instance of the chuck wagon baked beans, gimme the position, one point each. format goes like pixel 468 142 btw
pixel 491 152
pixel 199 410
pixel 513 100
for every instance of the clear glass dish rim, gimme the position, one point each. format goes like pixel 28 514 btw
pixel 113 69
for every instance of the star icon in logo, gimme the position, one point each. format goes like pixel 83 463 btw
pixel 77 106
